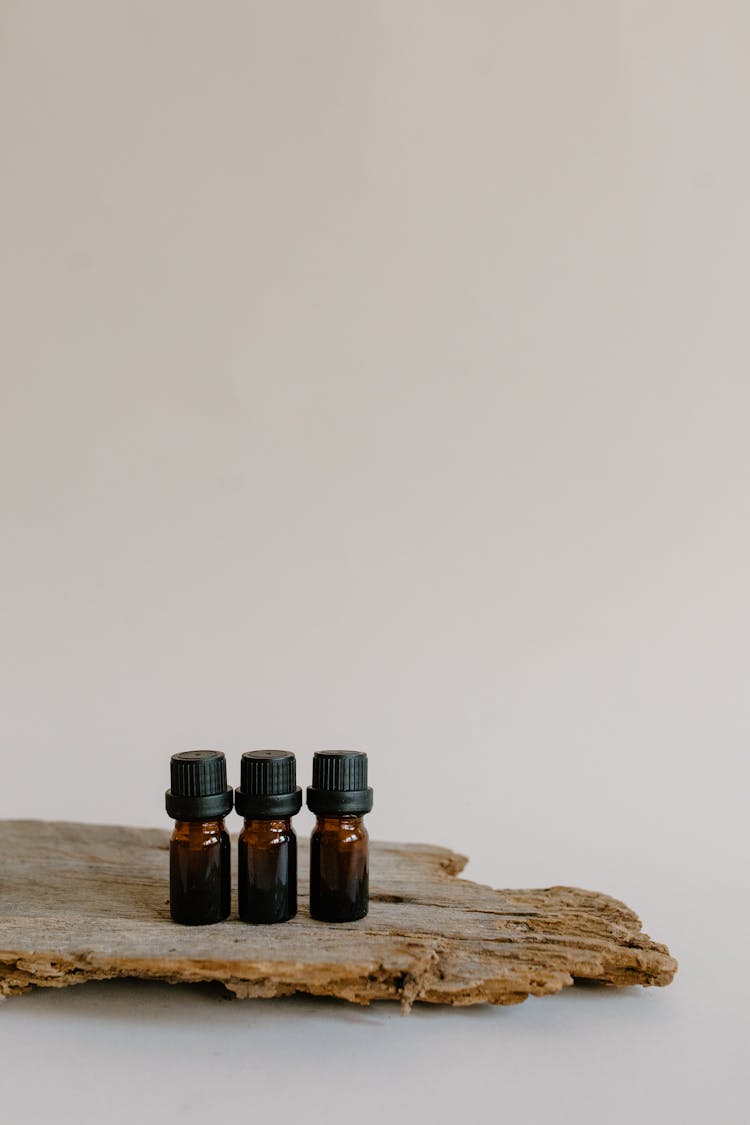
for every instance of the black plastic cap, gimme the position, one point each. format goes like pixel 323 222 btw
pixel 199 788
pixel 339 783
pixel 268 785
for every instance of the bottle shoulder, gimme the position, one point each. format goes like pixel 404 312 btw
pixel 267 833
pixel 199 833
pixel 339 830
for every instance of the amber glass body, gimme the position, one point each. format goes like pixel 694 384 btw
pixel 267 871
pixel 339 869
pixel 199 872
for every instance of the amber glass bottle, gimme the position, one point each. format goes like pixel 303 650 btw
pixel 199 851
pixel 339 874
pixel 268 798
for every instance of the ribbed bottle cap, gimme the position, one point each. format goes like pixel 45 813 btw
pixel 268 785
pixel 198 785
pixel 339 783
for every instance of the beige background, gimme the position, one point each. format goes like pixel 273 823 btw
pixel 376 375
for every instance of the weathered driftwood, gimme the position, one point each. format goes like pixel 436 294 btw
pixel 82 903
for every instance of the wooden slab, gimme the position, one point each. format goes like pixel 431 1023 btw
pixel 82 903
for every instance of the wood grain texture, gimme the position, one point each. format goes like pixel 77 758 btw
pixel 81 903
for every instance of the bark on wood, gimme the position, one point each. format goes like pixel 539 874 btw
pixel 82 903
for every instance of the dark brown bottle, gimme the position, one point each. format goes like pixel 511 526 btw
pixel 268 798
pixel 339 852
pixel 199 850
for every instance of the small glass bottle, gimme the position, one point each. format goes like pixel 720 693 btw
pixel 268 798
pixel 199 850
pixel 339 797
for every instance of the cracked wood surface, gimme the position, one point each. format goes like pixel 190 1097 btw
pixel 81 902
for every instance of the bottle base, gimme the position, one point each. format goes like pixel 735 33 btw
pixel 266 921
pixel 198 921
pixel 322 917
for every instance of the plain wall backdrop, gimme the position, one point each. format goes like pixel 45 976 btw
pixel 375 375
